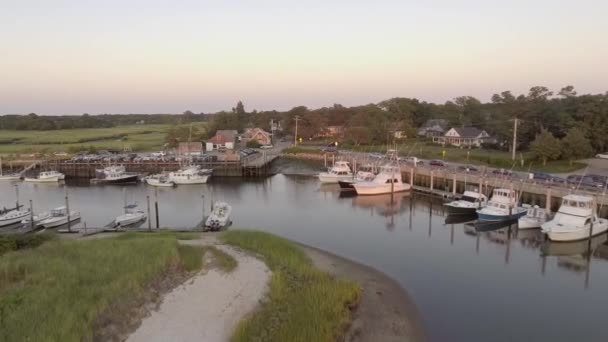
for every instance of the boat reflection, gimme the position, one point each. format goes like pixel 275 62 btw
pixel 455 219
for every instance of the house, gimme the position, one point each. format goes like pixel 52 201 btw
pixel 399 135
pixel 331 132
pixel 433 128
pixel 463 136
pixel 263 137
pixel 222 140
pixel 190 148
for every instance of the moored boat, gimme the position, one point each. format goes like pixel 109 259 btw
pixel 132 215
pixel 59 216
pixel 13 216
pixel 159 180
pixel 190 175
pixel 46 177
pixel 37 219
pixel 534 218
pixel 365 174
pixel 576 219
pixel 501 207
pixel 115 174
pixel 339 172
pixel 8 177
pixel 467 204
pixel 387 181
pixel 219 217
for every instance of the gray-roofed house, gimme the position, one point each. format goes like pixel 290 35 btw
pixel 433 128
pixel 463 136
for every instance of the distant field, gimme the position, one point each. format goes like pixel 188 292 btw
pixel 135 137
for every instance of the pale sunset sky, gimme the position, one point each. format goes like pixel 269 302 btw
pixel 110 56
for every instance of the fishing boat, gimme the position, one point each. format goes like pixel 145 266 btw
pixel 114 174
pixel 59 216
pixel 501 207
pixel 468 204
pixel 219 217
pixel 365 174
pixel 132 215
pixel 46 177
pixel 160 180
pixel 190 175
pixel 10 176
pixel 340 171
pixel 534 218
pixel 13 216
pixel 37 219
pixel 387 181
pixel 576 219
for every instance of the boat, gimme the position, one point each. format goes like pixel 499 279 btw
pixel 37 219
pixel 534 218
pixel 190 175
pixel 339 172
pixel 219 217
pixel 46 177
pixel 132 215
pixel 575 220
pixel 501 207
pixel 160 180
pixel 13 216
pixel 467 204
pixel 10 176
pixel 460 218
pixel 59 216
pixel 115 174
pixel 365 174
pixel 387 181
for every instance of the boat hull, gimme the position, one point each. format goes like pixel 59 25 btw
pixel 333 179
pixel 377 189
pixel 10 177
pixel 197 180
pixel 13 219
pixel 59 221
pixel 529 223
pixel 43 180
pixel 128 219
pixel 577 234
pixel 156 182
pixel 123 180
pixel 491 217
pixel 346 185
pixel 453 210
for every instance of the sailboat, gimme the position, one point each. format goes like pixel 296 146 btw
pixel 10 176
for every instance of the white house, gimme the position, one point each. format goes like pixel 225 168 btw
pixel 463 136
pixel 222 140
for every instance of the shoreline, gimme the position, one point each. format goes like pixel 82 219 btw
pixel 386 311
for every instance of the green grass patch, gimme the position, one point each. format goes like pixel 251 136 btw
pixel 304 303
pixel 221 259
pixel 60 290
pixel 10 243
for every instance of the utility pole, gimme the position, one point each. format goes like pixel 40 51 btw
pixel 295 138
pixel 515 122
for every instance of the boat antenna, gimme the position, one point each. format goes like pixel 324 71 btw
pixel 581 180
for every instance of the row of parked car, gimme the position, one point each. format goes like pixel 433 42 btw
pixel 247 152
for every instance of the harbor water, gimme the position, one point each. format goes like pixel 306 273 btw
pixel 501 284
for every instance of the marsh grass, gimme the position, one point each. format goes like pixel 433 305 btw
pixel 10 243
pixel 59 290
pixel 304 304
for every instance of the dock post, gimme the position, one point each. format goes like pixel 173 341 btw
pixel 67 208
pixel 149 218
pixel 333 159
pixel 203 208
pixel 412 177
pixel 17 196
pixel 548 201
pixel 156 206
pixel 31 215
pixel 454 185
pixel 325 159
pixel 431 185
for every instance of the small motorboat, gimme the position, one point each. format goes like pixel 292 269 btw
pixel 132 215
pixel 575 220
pixel 37 219
pixel 501 207
pixel 534 218
pixel 59 217
pixel 159 180
pixel 339 172
pixel 13 216
pixel 114 174
pixel 219 217
pixel 46 177
pixel 468 204
pixel 190 175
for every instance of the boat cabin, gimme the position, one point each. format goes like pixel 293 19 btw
pixel 503 198
pixel 57 212
pixel 473 197
pixel 340 168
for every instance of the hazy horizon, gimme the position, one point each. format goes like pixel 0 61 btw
pixel 72 57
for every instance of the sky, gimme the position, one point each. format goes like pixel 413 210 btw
pixel 152 56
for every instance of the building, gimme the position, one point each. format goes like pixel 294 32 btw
pixel 263 137
pixel 331 132
pixel 463 136
pixel 433 128
pixel 222 140
pixel 399 135
pixel 189 148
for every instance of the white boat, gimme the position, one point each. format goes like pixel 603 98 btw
pixel 46 177
pixel 190 175
pixel 339 172
pixel 219 217
pixel 13 216
pixel 114 174
pixel 467 204
pixel 534 218
pixel 37 219
pixel 10 176
pixel 132 215
pixel 574 220
pixel 501 207
pixel 59 216
pixel 160 180
pixel 365 174
pixel 387 181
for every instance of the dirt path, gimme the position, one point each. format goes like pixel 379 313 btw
pixel 386 313
pixel 210 305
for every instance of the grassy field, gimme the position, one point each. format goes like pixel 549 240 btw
pixel 136 137
pixel 59 290
pixel 304 304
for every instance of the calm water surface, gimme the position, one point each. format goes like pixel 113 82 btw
pixel 468 286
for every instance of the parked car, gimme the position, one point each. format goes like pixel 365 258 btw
pixel 602 155
pixel 376 155
pixel 412 160
pixel 468 168
pixel 583 181
pixel 439 163
pixel 266 147
pixel 331 148
pixel 502 172
pixel 599 178
pixel 159 154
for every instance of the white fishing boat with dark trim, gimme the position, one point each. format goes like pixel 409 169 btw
pixel 190 175
pixel 59 216
pixel 501 207
pixel 365 174
pixel 576 219
pixel 387 181
pixel 339 172
pixel 46 177
pixel 160 180
pixel 114 174
pixel 534 218
pixel 468 204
